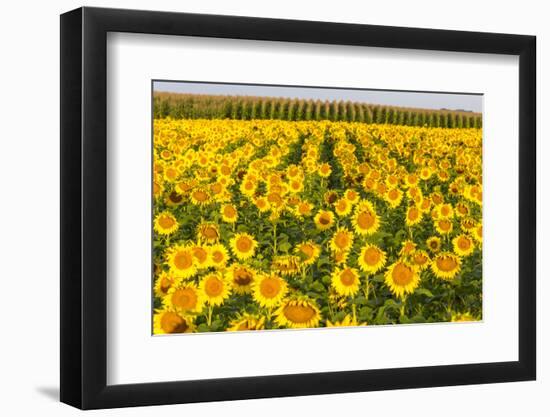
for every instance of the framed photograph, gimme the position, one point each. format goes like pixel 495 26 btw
pixel 256 208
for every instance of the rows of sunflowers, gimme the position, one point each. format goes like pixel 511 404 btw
pixel 266 224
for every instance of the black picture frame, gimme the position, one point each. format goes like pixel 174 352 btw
pixel 84 207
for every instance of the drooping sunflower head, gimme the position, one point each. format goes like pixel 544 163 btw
pixel 169 321
pixel 345 281
pixel 341 240
pixel 324 219
pixel 269 290
pixel 446 265
pixel 371 259
pixel 298 312
pixel 402 278
pixel 308 252
pixel 286 265
pixel 243 245
pixel 420 259
pixel 215 289
pixel 246 322
pixel 208 232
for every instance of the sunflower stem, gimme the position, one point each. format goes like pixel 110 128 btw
pixel 402 308
pixel 275 238
pixel 209 318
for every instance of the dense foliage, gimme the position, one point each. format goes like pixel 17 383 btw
pixel 191 106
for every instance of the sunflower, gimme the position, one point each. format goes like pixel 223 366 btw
pixel 229 213
pixel 434 243
pixel 462 210
pixel 445 211
pixel 184 298
pixel 182 261
pixel 248 188
pixel 269 290
pixel 346 281
pixel 286 264
pixel 200 197
pixel 218 255
pixel 324 170
pixel 407 247
pixel 215 289
pixel 342 240
pixel 467 224
pixel 324 219
pixel 463 245
pixel 174 199
pixel 262 204
pixel 420 259
pixel 365 221
pixel 443 226
pixel 477 233
pixel 413 216
pixel 241 278
pixel 393 197
pixel 296 186
pixel 343 207
pixel 163 283
pixel 460 317
pixel 347 321
pixel 167 321
pixel 298 312
pixel 201 255
pixel 304 209
pixel 446 265
pixel 246 322
pixel 308 252
pixel 208 232
pixel 401 279
pixel 371 259
pixel 165 223
pixel 243 245
pixel 351 195
pixel 341 256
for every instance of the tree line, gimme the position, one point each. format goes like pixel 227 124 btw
pixel 198 106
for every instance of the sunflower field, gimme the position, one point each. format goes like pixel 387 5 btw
pixel 272 224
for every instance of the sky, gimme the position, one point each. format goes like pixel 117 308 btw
pixel 425 100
